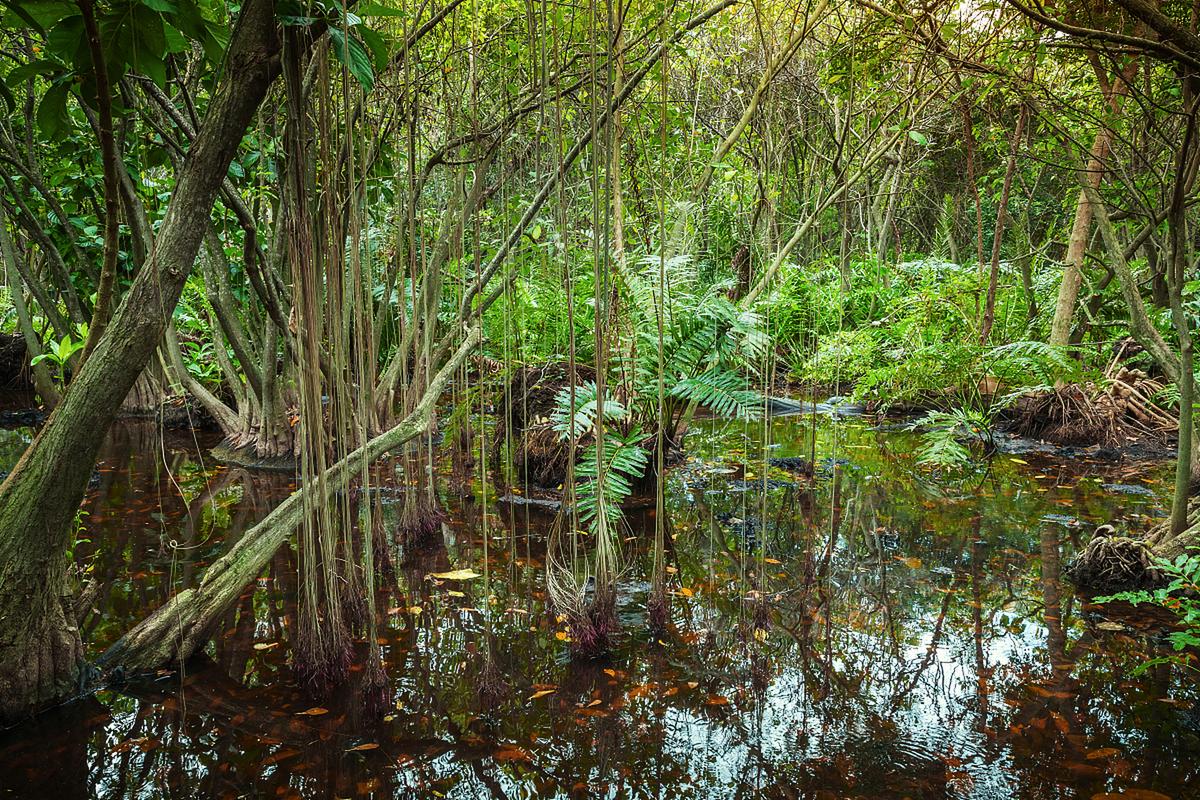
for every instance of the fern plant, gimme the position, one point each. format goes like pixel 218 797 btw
pixel 707 346
pixel 953 438
pixel 605 481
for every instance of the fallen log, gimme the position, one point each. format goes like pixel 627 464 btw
pixel 178 629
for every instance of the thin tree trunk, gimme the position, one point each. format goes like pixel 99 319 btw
pixel 989 308
pixel 43 383
pixel 1068 290
pixel 112 186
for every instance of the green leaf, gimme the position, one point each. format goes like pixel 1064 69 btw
pixel 176 41
pixel 37 15
pixel 919 138
pixel 163 6
pixel 351 53
pixel 53 119
pixel 66 40
pixel 24 72
pixel 380 50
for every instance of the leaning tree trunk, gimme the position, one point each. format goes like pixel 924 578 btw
pixel 40 647
pixel 174 632
pixel 1072 279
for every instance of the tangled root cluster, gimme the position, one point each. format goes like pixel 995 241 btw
pixel 1113 563
pixel 1069 415
pixel 538 453
pixel 1091 414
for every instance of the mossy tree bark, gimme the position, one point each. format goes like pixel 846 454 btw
pixel 40 647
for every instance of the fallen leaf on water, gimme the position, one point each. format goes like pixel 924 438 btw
pixel 772 561
pixel 541 693
pixel 265 645
pixel 561 636
pixel 510 753
pixel 456 575
pixel 594 703
pixel 685 591
pixel 453 593
pixel 143 743
pixel 414 610
pixel 717 700
pixel 1103 752
pixel 1132 794
pixel 1018 461
pixel 912 562
pixel 365 746
pixel 315 711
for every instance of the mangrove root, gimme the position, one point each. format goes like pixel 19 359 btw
pixel 178 629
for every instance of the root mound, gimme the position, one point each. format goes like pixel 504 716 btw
pixel 538 453
pixel 1069 415
pixel 1120 408
pixel 1114 564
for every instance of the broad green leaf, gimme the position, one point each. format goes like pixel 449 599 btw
pixel 53 118
pixel 24 72
pixel 351 53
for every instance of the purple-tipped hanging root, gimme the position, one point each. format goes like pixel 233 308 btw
pixel 375 694
pixel 322 662
pixel 420 522
pixel 593 633
pixel 658 608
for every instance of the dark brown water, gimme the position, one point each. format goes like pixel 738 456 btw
pixel 879 631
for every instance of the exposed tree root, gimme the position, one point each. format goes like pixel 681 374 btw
pixel 538 454
pixel 593 627
pixel 421 521
pixel 1088 414
pixel 180 628
pixel 1114 563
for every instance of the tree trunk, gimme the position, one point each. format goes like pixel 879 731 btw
pixel 989 308
pixel 40 648
pixel 1068 290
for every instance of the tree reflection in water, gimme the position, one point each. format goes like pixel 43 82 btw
pixel 876 631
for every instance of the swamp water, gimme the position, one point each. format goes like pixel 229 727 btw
pixel 875 631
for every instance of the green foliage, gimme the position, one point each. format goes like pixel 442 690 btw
pixel 59 353
pixel 1181 596
pixel 579 420
pixel 953 438
pixel 722 391
pixel 708 342
pixel 605 481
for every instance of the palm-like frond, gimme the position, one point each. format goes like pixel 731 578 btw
pixel 722 391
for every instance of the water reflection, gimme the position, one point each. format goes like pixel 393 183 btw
pixel 873 631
